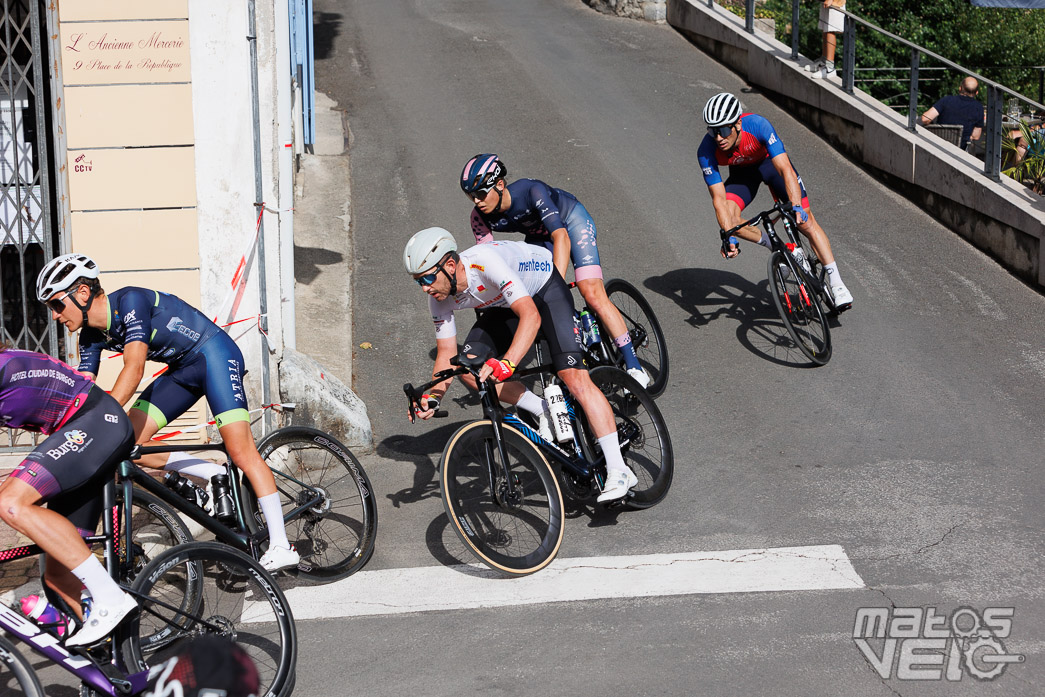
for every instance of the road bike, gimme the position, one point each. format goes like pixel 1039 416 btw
pixel 798 287
pixel 328 501
pixel 500 493
pixel 183 592
pixel 647 338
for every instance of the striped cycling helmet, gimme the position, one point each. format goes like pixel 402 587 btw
pixel 722 109
pixel 481 172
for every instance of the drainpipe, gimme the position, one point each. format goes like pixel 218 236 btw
pixel 285 142
pixel 266 392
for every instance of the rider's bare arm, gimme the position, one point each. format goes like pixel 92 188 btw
pixel 561 250
pixel 728 213
pixel 134 355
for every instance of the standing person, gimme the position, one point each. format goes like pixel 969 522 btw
pixel 963 109
pixel 203 361
pixel 519 291
pixel 88 434
pixel 831 22
pixel 552 218
pixel 754 153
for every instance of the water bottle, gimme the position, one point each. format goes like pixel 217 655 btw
pixel 561 425
pixel 50 618
pixel 589 329
pixel 186 489
pixel 800 256
pixel 224 508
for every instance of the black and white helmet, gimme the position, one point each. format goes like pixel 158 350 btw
pixel 722 110
pixel 62 272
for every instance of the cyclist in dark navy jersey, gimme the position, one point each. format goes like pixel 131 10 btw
pixel 751 148
pixel 552 218
pixel 87 436
pixel 203 361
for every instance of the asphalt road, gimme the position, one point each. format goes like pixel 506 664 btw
pixel 917 448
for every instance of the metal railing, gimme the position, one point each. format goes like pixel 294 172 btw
pixel 995 91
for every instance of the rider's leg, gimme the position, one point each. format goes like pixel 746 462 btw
pixel 146 420
pixel 66 551
pixel 594 293
pixel 841 295
pixel 619 477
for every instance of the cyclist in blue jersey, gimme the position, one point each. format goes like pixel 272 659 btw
pixel 552 218
pixel 87 435
pixel 751 148
pixel 203 361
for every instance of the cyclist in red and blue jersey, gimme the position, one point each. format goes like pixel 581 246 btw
pixel 87 435
pixel 202 361
pixel 551 218
pixel 751 148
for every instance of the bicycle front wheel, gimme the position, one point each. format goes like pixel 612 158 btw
pixel 17 677
pixel 799 308
pixel 328 502
pixel 154 526
pixel 646 335
pixel 643 435
pixel 209 588
pixel 513 523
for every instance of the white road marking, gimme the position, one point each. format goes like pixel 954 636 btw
pixel 424 589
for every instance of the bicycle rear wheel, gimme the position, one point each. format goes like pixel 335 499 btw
pixel 335 535
pixel 797 303
pixel 643 435
pixel 17 677
pixel 209 588
pixel 517 532
pixel 646 335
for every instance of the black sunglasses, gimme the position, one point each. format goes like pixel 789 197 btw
pixel 479 194
pixel 429 278
pixel 721 131
pixel 58 304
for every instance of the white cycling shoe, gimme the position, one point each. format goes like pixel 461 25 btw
pixel 277 558
pixel 843 299
pixel 102 620
pixel 618 482
pixel 640 376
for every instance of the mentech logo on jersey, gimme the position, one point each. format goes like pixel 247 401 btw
pixel 75 441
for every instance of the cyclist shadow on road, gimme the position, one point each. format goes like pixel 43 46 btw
pixel 423 450
pixel 710 294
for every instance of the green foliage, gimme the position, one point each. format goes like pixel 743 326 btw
pixel 981 39
pixel 1029 170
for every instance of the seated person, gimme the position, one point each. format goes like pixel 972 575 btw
pixel 963 109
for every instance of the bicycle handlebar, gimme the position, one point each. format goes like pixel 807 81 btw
pixel 778 208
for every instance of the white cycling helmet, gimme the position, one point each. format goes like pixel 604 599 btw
pixel 722 109
pixel 427 248
pixel 62 272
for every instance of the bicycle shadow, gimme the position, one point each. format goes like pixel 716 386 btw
pixel 707 295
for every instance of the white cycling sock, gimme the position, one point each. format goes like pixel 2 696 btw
pixel 833 279
pixel 183 463
pixel 611 449
pixel 765 240
pixel 100 585
pixel 531 403
pixel 273 511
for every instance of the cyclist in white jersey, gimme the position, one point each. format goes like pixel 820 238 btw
pixel 519 292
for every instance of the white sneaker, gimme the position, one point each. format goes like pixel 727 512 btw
pixel 823 73
pixel 617 484
pixel 640 376
pixel 815 66
pixel 102 620
pixel 843 299
pixel 280 558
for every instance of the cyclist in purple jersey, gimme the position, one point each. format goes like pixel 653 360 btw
pixel 748 144
pixel 203 361
pixel 552 218
pixel 87 436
